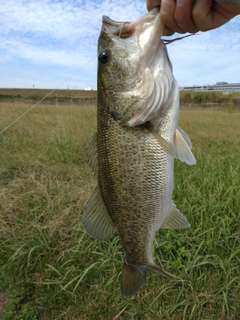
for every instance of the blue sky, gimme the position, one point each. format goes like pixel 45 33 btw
pixel 44 42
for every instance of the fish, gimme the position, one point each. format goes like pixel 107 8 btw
pixel 138 137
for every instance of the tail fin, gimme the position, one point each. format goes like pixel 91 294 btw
pixel 132 280
pixel 133 277
pixel 156 269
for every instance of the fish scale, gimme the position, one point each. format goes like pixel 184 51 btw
pixel 132 182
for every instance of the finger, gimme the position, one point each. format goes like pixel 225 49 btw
pixel 229 2
pixel 152 4
pixel 167 16
pixel 183 15
pixel 209 16
pixel 167 32
pixel 202 14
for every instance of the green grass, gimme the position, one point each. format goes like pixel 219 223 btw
pixel 51 269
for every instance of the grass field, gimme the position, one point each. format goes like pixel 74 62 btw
pixel 51 269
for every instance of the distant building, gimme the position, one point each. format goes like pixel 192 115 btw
pixel 219 86
pixel 88 88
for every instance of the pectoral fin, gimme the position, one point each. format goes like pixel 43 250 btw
pixel 96 220
pixel 175 219
pixel 167 147
pixel 183 147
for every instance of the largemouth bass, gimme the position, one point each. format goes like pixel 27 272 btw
pixel 137 138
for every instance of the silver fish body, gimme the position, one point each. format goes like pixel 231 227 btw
pixel 133 151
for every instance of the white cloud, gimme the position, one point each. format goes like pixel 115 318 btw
pixel 65 19
pixel 208 57
pixel 49 34
pixel 44 55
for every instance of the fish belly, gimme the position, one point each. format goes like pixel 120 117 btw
pixel 136 181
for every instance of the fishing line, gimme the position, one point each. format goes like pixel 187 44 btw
pixel 22 115
pixel 46 96
pixel 166 41
pixel 120 31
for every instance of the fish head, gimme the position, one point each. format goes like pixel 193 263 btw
pixel 131 57
pixel 117 55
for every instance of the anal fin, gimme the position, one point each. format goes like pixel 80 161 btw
pixel 175 219
pixel 96 220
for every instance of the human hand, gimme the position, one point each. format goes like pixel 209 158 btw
pixel 194 15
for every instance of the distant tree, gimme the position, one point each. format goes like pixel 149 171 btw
pixel 197 98
pixel 186 98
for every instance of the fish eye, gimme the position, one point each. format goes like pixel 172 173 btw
pixel 103 57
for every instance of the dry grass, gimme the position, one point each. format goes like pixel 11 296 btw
pixel 215 126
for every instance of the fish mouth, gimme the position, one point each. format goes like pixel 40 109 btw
pixel 121 29
pixel 141 37
pixel 124 29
